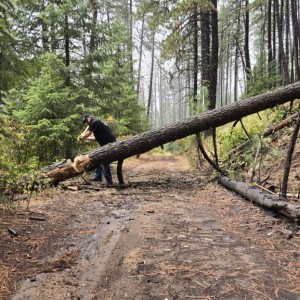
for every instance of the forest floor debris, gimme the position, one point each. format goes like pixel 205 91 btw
pixel 173 234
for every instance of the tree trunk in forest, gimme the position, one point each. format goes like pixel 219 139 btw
pixel 67 49
pixel 140 56
pixel 236 73
pixel 262 198
pixel 270 52
pixel 287 35
pixel 274 45
pixel 195 57
pixel 93 37
pixel 246 46
pixel 295 23
pixel 227 76
pixel 282 57
pixel 212 92
pixel 130 46
pixel 205 49
pixel 151 75
pixel 156 137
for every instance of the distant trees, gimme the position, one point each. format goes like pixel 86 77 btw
pixel 192 41
pixel 224 50
pixel 271 29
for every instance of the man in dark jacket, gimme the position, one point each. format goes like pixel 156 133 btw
pixel 103 135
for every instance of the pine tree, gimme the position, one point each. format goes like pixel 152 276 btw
pixel 51 110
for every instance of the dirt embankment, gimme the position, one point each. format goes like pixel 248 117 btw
pixel 171 235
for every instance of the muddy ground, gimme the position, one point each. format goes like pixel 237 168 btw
pixel 173 234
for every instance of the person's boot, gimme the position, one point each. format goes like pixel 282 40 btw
pixel 99 179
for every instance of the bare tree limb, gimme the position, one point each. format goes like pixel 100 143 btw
pixel 288 161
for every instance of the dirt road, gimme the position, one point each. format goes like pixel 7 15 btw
pixel 171 235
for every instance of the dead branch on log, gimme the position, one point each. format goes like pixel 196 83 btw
pixel 263 188
pixel 210 161
pixel 243 127
pixel 262 198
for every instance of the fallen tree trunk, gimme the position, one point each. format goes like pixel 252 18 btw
pixel 153 138
pixel 262 198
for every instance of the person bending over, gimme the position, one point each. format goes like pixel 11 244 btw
pixel 103 135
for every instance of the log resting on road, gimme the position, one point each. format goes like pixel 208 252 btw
pixel 148 140
pixel 262 198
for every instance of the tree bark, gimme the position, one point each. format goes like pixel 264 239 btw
pixel 270 53
pixel 246 46
pixel 140 55
pixel 156 137
pixel 214 63
pixel 67 48
pixel 295 22
pixel 282 56
pixel 205 49
pixel 151 76
pixel 195 58
pixel 262 198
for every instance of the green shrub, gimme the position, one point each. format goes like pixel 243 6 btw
pixel 16 158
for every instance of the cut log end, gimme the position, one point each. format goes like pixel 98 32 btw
pixel 81 163
pixel 67 170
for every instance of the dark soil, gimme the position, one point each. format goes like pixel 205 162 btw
pixel 172 233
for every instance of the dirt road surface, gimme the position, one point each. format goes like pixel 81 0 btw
pixel 173 234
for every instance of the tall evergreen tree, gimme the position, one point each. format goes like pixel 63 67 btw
pixel 51 110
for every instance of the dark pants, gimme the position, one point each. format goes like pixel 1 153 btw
pixel 105 170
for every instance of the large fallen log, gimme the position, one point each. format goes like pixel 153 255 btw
pixel 153 138
pixel 262 198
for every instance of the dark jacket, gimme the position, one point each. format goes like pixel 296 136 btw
pixel 102 132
